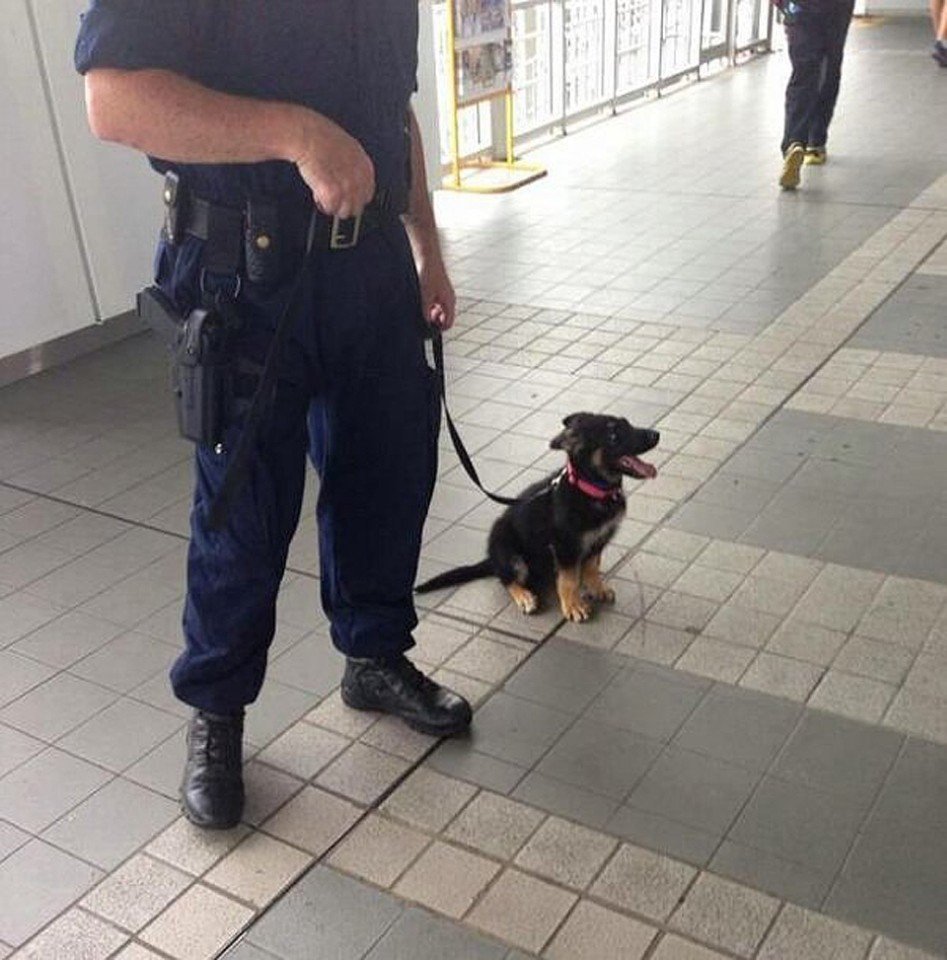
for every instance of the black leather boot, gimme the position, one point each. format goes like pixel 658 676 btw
pixel 212 792
pixel 396 686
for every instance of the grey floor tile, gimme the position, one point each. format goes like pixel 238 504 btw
pixel 517 730
pixel 16 748
pixel 894 881
pixel 696 790
pixel 663 835
pixel 647 702
pixel 563 676
pixel 313 665
pixel 47 786
pixel 739 727
pixel 11 838
pixel 600 758
pixel 771 874
pixel 67 639
pixel 839 756
pixel 799 824
pixel 19 675
pixel 326 915
pixel 57 706
pixel 916 789
pixel 244 950
pixel 566 800
pixel 277 708
pixel 113 823
pixel 419 936
pixel 161 769
pixel 37 883
pixel 121 734
pixel 126 662
pixel 457 758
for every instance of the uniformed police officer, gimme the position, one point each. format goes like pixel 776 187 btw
pixel 816 31
pixel 259 109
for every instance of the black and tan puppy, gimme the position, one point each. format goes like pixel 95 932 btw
pixel 556 531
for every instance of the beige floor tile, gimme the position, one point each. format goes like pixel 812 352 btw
pixel 918 713
pixel 595 933
pixel 711 584
pixel 644 882
pixel 362 773
pixel 135 951
pixel 258 869
pixel 333 714
pixel 712 658
pixel 314 820
pixel 394 736
pixel 682 611
pixel 673 947
pixel 807 641
pixel 653 569
pixel 677 544
pixel 437 639
pixel 428 799
pixel 566 852
pixel 725 914
pixel 736 557
pixel 267 790
pixel 885 949
pixel 197 926
pixel 654 642
pixel 876 659
pixel 776 597
pixel 522 910
pixel 485 659
pixel 378 850
pixel 137 892
pixel 800 934
pixel 476 691
pixel 742 626
pixel 859 698
pixel 193 850
pixel 447 879
pixel 495 825
pixel 782 677
pixel 303 750
pixel 76 935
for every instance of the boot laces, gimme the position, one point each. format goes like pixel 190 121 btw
pixel 219 744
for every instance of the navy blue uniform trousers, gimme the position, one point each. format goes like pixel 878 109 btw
pixel 816 46
pixel 357 394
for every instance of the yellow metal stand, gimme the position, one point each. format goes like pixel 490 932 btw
pixel 482 175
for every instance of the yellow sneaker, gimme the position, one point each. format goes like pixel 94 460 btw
pixel 816 156
pixel 792 163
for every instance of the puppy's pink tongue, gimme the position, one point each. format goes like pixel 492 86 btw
pixel 646 471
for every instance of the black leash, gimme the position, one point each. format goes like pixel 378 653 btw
pixel 461 450
pixel 237 468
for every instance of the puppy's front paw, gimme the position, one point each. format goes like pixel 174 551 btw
pixel 602 594
pixel 576 610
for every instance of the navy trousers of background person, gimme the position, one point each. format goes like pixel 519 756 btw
pixel 358 396
pixel 816 46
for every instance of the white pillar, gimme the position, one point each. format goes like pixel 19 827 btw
pixel 425 100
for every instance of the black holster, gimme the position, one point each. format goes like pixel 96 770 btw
pixel 203 363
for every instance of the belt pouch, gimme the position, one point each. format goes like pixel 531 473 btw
pixel 261 246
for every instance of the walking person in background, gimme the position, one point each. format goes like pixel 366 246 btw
pixel 816 31
pixel 939 22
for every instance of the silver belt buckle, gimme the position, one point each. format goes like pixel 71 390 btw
pixel 345 232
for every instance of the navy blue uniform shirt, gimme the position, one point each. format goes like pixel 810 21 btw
pixel 355 61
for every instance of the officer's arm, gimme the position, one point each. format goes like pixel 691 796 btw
pixel 436 289
pixel 166 115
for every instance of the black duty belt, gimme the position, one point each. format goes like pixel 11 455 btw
pixel 235 236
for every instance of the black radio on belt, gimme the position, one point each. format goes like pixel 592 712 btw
pixel 202 368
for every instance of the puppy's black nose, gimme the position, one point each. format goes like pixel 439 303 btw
pixel 654 437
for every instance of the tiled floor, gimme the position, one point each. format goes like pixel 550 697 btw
pixel 745 757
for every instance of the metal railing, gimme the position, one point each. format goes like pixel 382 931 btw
pixel 573 58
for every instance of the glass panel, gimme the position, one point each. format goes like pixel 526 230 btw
pixel 532 66
pixel 633 26
pixel 584 28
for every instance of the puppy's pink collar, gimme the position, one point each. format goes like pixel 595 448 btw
pixel 590 489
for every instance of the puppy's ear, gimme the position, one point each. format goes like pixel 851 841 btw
pixel 570 439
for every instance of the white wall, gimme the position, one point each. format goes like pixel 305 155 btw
pixel 45 291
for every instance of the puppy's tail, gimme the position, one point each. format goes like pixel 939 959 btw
pixel 451 578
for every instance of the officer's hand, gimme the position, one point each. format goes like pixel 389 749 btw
pixel 336 168
pixel 437 293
